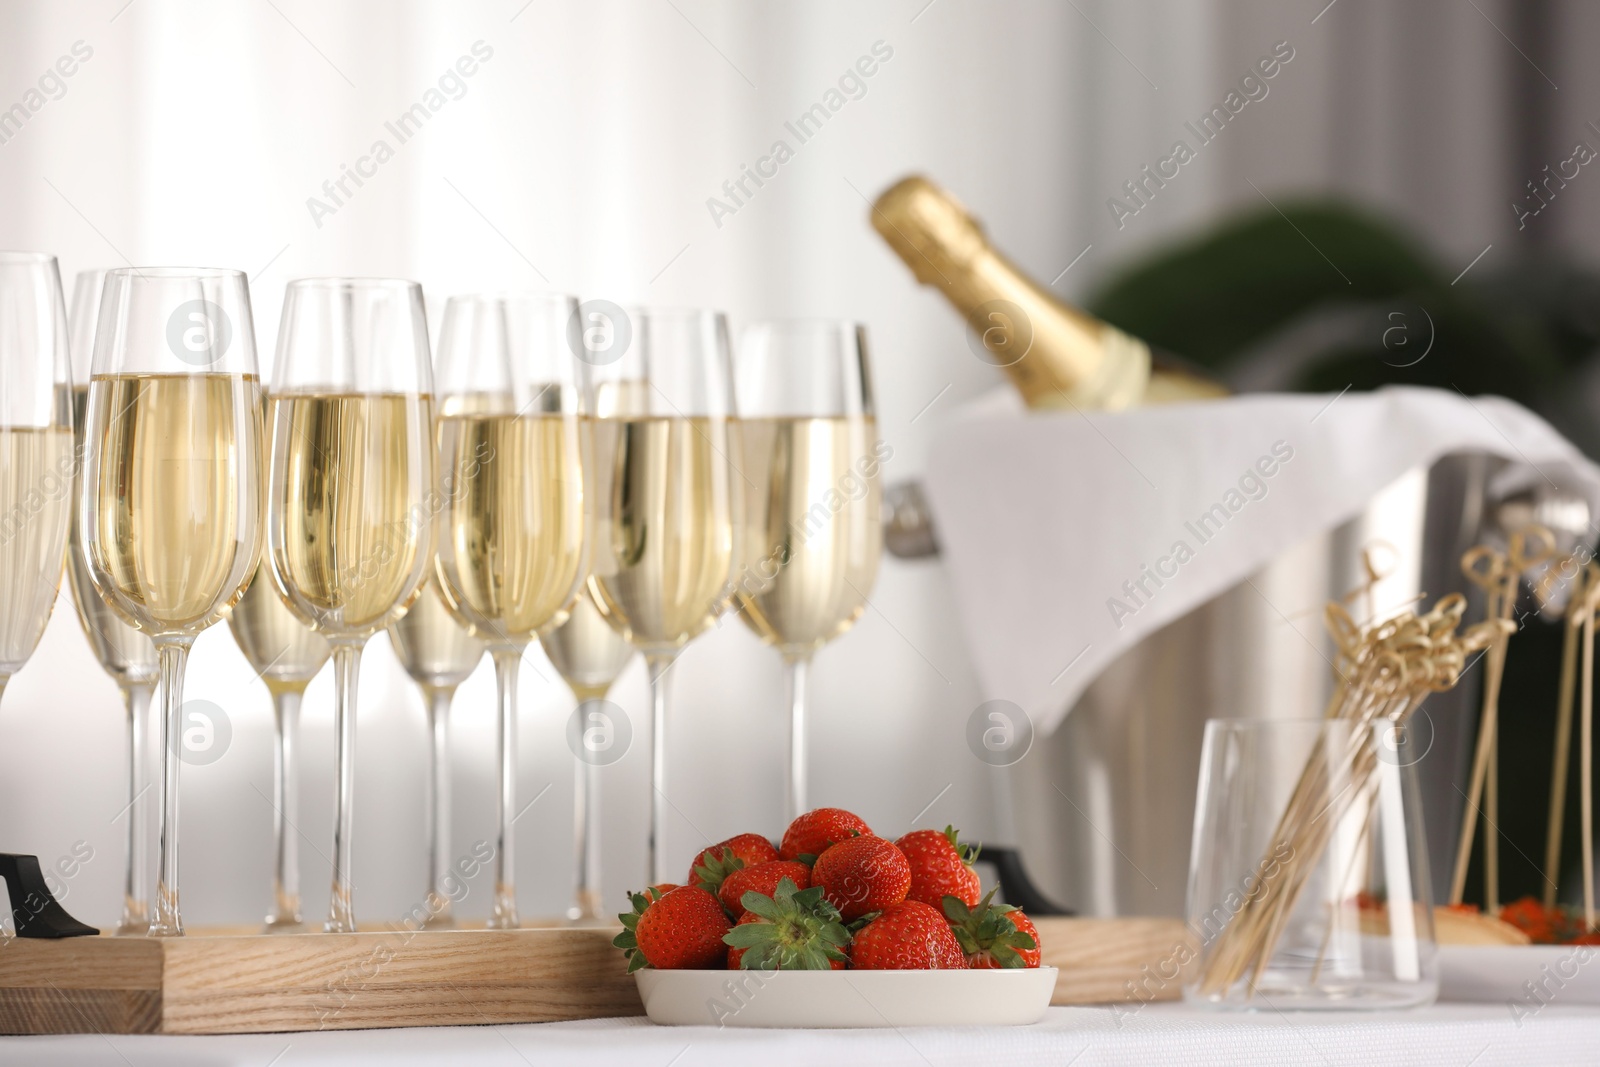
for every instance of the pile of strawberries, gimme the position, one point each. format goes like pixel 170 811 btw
pixel 832 895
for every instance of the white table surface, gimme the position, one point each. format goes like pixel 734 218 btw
pixel 1454 1034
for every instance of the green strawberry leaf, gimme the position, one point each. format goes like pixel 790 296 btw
pixel 747 935
pixel 710 872
pixel 967 852
pixel 760 904
pixel 628 940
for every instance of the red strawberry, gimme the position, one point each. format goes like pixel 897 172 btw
pixel 993 935
pixel 941 866
pixel 714 864
pixel 791 930
pixel 811 834
pixel 910 936
pixel 681 929
pixel 761 878
pixel 862 874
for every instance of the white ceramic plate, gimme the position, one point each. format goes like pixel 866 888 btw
pixel 1561 974
pixel 837 999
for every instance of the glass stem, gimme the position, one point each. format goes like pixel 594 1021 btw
pixel 174 655
pixel 586 823
pixel 655 860
pixel 794 677
pixel 438 698
pixel 135 904
pixel 346 671
pixel 286 809
pixel 507 661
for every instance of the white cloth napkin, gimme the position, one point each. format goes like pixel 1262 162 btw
pixel 1070 537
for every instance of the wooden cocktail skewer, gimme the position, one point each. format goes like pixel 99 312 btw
pixel 1498 574
pixel 1571 623
pixel 1591 603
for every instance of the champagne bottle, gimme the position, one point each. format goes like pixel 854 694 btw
pixel 1057 355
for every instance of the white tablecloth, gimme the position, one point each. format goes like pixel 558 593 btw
pixel 1456 1034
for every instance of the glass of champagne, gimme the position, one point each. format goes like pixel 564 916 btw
pixel 171 505
pixel 812 532
pixel 512 537
pixel 285 655
pixel 351 496
pixel 589 654
pixel 439 655
pixel 127 655
pixel 36 443
pixel 667 495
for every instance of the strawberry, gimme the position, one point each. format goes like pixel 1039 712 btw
pixel 941 866
pixel 761 878
pixel 679 929
pixel 791 930
pixel 861 875
pixel 909 936
pixel 714 864
pixel 993 935
pixel 811 834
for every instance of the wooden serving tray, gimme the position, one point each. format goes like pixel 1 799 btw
pixel 237 982
pixel 208 983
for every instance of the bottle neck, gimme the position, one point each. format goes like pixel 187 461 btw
pixel 1056 355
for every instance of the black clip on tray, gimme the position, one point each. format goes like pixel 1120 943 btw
pixel 35 912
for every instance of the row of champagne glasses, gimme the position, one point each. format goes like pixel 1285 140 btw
pixel 171 518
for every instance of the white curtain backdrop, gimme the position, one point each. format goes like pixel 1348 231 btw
pixel 579 155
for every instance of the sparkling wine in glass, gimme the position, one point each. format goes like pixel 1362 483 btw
pixel 349 524
pixel 286 656
pixel 438 654
pixel 171 492
pixel 127 655
pixel 667 495
pixel 512 536
pixel 589 655
pixel 812 531
pixel 36 445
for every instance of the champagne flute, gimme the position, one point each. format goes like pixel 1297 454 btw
pixel 439 655
pixel 349 525
pixel 589 655
pixel 170 512
pixel 812 532
pixel 285 655
pixel 127 655
pixel 512 535
pixel 667 495
pixel 36 444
